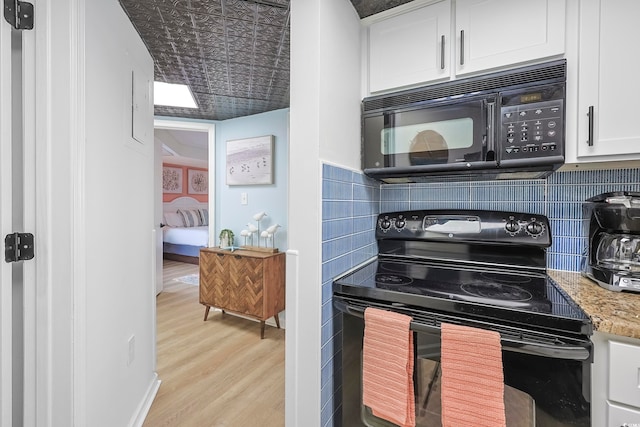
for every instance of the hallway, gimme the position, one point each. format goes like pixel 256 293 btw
pixel 217 373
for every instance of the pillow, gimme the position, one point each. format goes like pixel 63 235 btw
pixel 204 216
pixel 172 219
pixel 190 217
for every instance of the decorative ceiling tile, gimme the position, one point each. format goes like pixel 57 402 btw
pixel 371 7
pixel 233 54
pixel 226 51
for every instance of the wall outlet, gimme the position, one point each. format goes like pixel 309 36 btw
pixel 132 349
pixel 244 199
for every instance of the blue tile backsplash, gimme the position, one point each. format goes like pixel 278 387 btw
pixel 352 201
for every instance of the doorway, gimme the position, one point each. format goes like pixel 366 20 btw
pixel 179 142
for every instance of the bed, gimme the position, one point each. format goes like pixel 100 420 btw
pixel 185 229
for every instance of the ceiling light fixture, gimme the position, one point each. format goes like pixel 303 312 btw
pixel 173 95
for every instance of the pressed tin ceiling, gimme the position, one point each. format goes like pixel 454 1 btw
pixel 371 7
pixel 233 54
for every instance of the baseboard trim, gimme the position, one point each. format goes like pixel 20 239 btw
pixel 145 405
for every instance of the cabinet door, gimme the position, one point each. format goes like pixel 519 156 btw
pixel 608 80
pixel 246 285
pixel 624 371
pixel 621 416
pixel 498 33
pixel 410 48
pixel 214 278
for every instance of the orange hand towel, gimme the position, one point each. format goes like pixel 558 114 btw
pixel 472 377
pixel 387 366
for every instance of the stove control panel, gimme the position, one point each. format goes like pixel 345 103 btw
pixel 465 226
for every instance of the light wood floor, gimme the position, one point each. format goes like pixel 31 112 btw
pixel 217 373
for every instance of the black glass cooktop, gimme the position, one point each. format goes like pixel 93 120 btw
pixel 527 298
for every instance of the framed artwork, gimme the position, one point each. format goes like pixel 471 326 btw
pixel 171 180
pixel 198 182
pixel 250 161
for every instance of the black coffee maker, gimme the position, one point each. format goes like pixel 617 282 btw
pixel 611 222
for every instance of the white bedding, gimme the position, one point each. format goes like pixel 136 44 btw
pixel 193 236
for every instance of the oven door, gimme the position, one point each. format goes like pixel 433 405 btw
pixel 543 387
pixel 442 137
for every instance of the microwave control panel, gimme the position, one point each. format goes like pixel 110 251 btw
pixel 532 130
pixel 531 123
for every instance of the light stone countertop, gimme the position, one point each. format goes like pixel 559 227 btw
pixel 613 312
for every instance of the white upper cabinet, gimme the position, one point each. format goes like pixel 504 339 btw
pixel 410 48
pixel 498 33
pixel 417 43
pixel 608 85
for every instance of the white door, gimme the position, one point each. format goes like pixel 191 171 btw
pixel 17 214
pixel 6 276
pixel 17 279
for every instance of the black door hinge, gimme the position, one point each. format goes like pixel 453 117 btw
pixel 18 247
pixel 19 14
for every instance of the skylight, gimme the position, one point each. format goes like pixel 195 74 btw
pixel 173 95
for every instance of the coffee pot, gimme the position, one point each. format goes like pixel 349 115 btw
pixel 611 222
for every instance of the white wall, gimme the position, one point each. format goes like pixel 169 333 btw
pixel 324 124
pixel 119 190
pixel 339 90
pixel 95 287
pixel 270 198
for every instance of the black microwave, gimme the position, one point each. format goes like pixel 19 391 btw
pixel 507 125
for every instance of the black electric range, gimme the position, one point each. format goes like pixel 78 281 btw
pixel 483 269
pixel 470 267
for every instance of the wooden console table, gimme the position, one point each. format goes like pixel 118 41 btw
pixel 250 283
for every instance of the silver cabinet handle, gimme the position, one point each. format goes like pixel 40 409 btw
pixel 442 52
pixel 591 118
pixel 461 47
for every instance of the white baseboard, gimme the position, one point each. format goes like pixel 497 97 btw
pixel 143 409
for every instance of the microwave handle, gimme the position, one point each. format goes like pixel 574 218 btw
pixel 491 126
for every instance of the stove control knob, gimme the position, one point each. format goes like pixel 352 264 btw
pixel 512 226
pixel 385 224
pixel 534 228
pixel 400 223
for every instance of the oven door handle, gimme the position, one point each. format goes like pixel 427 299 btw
pixel 558 351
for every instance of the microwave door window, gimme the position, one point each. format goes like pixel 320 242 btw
pixel 427 143
pixel 388 147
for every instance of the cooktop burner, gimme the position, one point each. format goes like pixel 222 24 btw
pixel 497 291
pixel 393 279
pixel 504 278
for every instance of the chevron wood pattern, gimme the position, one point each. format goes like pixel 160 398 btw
pixel 213 290
pixel 246 282
pixel 245 285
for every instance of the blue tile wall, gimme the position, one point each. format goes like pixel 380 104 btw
pixel 351 203
pixel 350 207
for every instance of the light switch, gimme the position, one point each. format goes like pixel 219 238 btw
pixel 243 199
